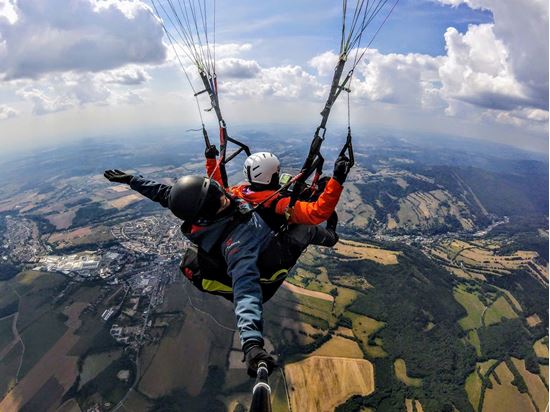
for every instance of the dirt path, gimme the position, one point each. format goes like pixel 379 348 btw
pixel 16 336
pixel 55 363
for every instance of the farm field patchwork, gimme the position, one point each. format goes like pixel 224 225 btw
pixel 535 385
pixel 341 347
pixel 473 306
pixel 363 251
pixel 342 378
pixel 504 396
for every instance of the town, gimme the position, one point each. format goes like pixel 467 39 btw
pixel 134 272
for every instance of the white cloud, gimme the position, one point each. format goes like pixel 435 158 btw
pixel 409 79
pixel 7 112
pixel 7 10
pixel 521 26
pixel 476 70
pixel 129 76
pixel 284 82
pixel 232 68
pixel 60 92
pixel 44 103
pixel 80 35
pixel 324 63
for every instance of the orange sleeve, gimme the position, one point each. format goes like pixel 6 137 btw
pixel 213 170
pixel 313 213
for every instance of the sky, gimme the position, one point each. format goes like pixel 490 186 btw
pixel 470 68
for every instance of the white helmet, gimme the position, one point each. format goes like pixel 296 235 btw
pixel 260 167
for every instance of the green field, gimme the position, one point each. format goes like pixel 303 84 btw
pixel 473 306
pixel 37 291
pixel 8 369
pixel 400 369
pixel 344 298
pixel 473 338
pixel 498 310
pixel 39 337
pixel 94 364
pixel 8 299
pixel 363 327
pixel 6 335
pixel 473 389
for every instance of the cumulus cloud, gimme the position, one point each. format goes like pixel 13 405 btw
pixel 521 27
pixel 285 82
pixel 237 68
pixel 492 72
pixel 7 112
pixel 80 35
pixel 410 79
pixel 324 63
pixel 128 76
pixel 477 70
pixel 59 92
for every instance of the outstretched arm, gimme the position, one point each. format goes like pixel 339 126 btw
pixel 155 191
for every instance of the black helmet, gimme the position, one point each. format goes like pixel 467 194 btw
pixel 194 197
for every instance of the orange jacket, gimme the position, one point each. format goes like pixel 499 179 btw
pixel 306 213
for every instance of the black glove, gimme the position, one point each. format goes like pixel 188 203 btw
pixel 254 353
pixel 117 176
pixel 342 167
pixel 211 152
pixel 332 222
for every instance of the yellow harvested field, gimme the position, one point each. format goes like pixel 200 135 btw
pixel 341 347
pixel 485 366
pixel 535 385
pixel 419 406
pixel 62 220
pixel 544 373
pixel 125 201
pixel 364 251
pixel 306 292
pixel 409 405
pixel 467 258
pixel 120 188
pixel 73 234
pixel 533 320
pixel 344 331
pixel 473 382
pixel 341 379
pixel 505 396
pixel 541 349
pixel 400 369
pixel 392 224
